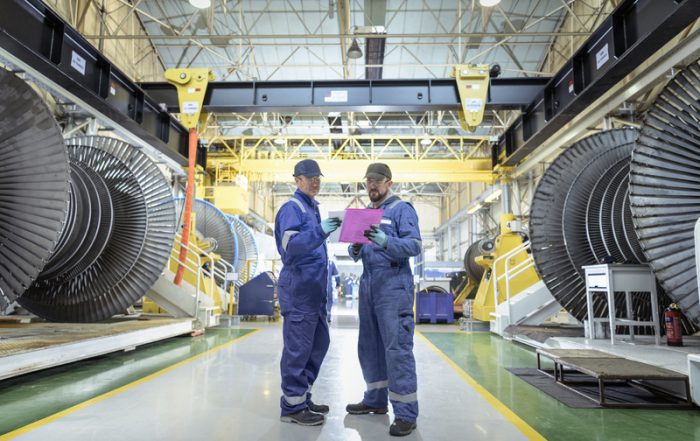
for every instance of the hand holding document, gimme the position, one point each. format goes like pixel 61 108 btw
pixel 356 221
pixel 335 236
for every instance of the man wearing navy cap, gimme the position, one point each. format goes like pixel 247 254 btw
pixel 385 344
pixel 301 241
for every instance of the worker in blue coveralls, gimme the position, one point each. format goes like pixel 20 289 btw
pixel 385 345
pixel 332 277
pixel 301 241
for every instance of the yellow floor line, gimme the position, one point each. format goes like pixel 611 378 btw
pixel 518 422
pixel 104 396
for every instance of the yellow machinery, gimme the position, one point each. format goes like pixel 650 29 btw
pixel 463 294
pixel 473 86
pixel 230 191
pixel 505 243
pixel 197 256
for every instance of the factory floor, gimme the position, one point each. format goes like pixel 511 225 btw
pixel 225 386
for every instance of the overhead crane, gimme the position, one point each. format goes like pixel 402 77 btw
pixel 414 158
pixel 634 30
pixel 461 159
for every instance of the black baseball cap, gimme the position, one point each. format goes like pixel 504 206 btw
pixel 378 170
pixel 308 168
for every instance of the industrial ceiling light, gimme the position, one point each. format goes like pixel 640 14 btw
pixel 279 141
pixel 489 3
pixel 354 51
pixel 201 4
pixel 425 140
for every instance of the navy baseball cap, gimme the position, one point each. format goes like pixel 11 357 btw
pixel 308 168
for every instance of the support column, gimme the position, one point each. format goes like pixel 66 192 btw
pixel 506 197
pixel 449 241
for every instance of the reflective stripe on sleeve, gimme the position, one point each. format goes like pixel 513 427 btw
pixel 286 237
pixel 298 202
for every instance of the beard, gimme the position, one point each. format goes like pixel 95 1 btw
pixel 376 195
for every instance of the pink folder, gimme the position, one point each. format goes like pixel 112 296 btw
pixel 356 221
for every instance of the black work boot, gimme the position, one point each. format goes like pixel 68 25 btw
pixel 401 427
pixel 363 409
pixel 319 408
pixel 304 417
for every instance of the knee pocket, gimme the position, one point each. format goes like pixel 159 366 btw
pixel 295 336
pixel 406 326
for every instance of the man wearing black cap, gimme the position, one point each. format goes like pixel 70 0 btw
pixel 301 241
pixel 385 345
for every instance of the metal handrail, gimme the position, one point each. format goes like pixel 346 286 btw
pixel 495 267
pixel 531 263
pixel 525 264
pixel 196 271
pixel 219 268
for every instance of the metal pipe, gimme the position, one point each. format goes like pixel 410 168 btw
pixel 463 212
pixel 449 242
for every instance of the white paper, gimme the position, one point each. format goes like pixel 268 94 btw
pixel 335 236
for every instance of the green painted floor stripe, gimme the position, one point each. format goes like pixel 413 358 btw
pixel 31 397
pixel 485 357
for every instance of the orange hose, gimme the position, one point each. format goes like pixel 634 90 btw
pixel 189 196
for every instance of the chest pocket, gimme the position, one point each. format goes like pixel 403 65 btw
pixel 389 222
pixel 388 225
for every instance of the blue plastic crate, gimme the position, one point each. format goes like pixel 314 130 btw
pixel 434 306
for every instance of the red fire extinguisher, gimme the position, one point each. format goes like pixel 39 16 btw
pixel 672 323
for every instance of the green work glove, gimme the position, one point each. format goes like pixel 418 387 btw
pixel 377 236
pixel 330 225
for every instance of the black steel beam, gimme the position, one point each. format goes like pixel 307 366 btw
pixel 32 35
pixel 635 30
pixel 349 95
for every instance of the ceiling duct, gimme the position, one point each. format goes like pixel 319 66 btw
pixel 374 57
pixel 375 48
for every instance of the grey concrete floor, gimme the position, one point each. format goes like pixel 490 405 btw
pixel 233 394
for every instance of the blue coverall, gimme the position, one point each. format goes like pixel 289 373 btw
pixel 385 345
pixel 301 287
pixel 332 275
